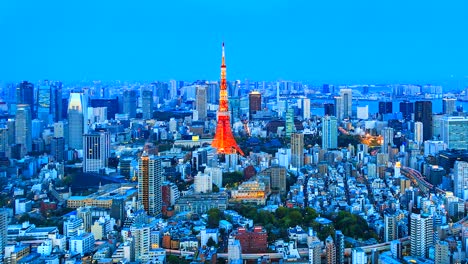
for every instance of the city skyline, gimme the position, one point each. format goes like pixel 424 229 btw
pixel 334 42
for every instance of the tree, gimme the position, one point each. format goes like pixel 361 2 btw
pixel 214 216
pixel 211 242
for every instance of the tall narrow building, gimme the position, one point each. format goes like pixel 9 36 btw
pixel 147 104
pixel 330 250
pixel 23 128
pixel 297 150
pixel 423 113
pixel 305 108
pixel 255 103
pixel 25 95
pixel 329 132
pixel 75 121
pixel 418 132
pixel 339 107
pixel 130 103
pixel 201 101
pixel 387 134
pixel 149 183
pixel 422 233
pixel 347 102
pixel 340 247
pixel 407 109
pixel 224 141
pixel 96 151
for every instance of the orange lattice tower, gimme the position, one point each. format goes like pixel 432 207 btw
pixel 224 141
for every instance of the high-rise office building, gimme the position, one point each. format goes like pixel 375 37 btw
pixel 329 132
pixel 23 127
pixel 147 104
pixel 25 95
pixel 329 109
pixel 385 108
pixel 330 250
pixel 387 134
pixel 448 105
pixel 339 107
pixel 44 100
pixel 57 148
pixel 455 132
pixel 277 176
pixel 423 113
pixel 255 102
pixel 460 178
pixel 340 247
pixel 76 121
pixel 4 140
pixel 421 235
pixel 130 103
pixel 112 105
pixel 201 102
pixel 418 132
pixel 297 150
pixel 347 102
pixel 149 183
pixel 306 108
pixel 406 109
pixel 61 130
pixel 96 151
pixel 37 128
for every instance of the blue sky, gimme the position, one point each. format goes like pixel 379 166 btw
pixel 332 41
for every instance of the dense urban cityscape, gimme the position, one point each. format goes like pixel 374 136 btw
pixel 232 171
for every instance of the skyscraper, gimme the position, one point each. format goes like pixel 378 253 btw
pixel 455 132
pixel 347 102
pixel 338 107
pixel 421 234
pixel 329 132
pixel 25 95
pixel 329 109
pixel 255 103
pixel 201 101
pixel 23 127
pixel 147 104
pixel 224 141
pixel 442 252
pixel 423 113
pixel 44 100
pixel 418 132
pixel 460 178
pixel 57 147
pixel 76 121
pixel 130 103
pixel 385 108
pixel 3 231
pixel 290 127
pixel 406 109
pixel 149 183
pixel 448 105
pixel 387 134
pixel 297 150
pixel 306 108
pixel 96 151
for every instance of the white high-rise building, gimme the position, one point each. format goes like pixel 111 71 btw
pixel 432 147
pixel 76 120
pixel 359 256
pixel 387 134
pixel 448 105
pixel 391 227
pixel 82 244
pixel 234 250
pixel 23 126
pixel 149 183
pixel 216 174
pixel 329 132
pixel 203 183
pixel 422 234
pixel 306 108
pixel 96 151
pixel 61 130
pixel 363 112
pixel 455 132
pixel 460 178
pixel 142 239
pixel 418 132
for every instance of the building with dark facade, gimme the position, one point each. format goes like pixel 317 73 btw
pixel 112 105
pixel 329 109
pixel 423 114
pixel 385 108
pixel 254 241
pixel 255 103
pixel 406 109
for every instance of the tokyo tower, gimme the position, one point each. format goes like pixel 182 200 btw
pixel 224 141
